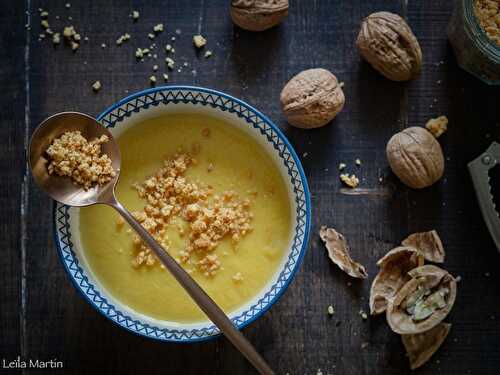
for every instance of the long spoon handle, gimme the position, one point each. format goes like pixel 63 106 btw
pixel 199 296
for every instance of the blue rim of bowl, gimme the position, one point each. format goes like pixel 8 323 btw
pixel 267 306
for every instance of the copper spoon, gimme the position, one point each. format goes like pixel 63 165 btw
pixel 63 190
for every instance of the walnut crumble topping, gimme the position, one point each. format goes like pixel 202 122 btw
pixel 210 217
pixel 74 156
pixel 488 15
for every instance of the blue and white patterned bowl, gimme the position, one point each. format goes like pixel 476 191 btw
pixel 177 99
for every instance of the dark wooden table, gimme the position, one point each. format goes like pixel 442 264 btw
pixel 43 317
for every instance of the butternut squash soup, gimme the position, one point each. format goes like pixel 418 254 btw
pixel 214 199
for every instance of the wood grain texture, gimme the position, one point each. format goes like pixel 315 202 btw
pixel 296 335
pixel 12 164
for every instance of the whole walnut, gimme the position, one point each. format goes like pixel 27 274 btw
pixel 258 15
pixel 312 98
pixel 416 157
pixel 388 44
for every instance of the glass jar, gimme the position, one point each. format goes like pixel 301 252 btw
pixel 474 51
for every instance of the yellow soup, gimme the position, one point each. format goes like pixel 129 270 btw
pixel 226 159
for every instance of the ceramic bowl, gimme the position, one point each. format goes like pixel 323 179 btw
pixel 185 99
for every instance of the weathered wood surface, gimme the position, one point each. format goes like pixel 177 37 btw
pixel 296 335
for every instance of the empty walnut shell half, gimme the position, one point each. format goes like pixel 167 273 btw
pixel 312 98
pixel 388 44
pixel 428 243
pixel 338 252
pixel 258 15
pixel 415 157
pixel 422 346
pixel 394 267
pixel 423 302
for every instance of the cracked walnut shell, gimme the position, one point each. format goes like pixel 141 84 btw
pixel 258 15
pixel 312 98
pixel 415 157
pixel 423 302
pixel 338 252
pixel 386 41
pixel 393 274
pixel 422 346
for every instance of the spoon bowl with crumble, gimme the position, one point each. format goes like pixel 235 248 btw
pixel 76 161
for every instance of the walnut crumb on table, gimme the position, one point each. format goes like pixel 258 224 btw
pixel 74 156
pixel 96 86
pixel 199 41
pixel 352 181
pixel 330 310
pixel 437 126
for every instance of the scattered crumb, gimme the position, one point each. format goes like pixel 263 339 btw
pixel 238 277
pixel 74 156
pixel 152 80
pixel 44 14
pixel 342 166
pixel 330 310
pixel 56 38
pixel 358 162
pixel 158 28
pixel 363 314
pixel 155 68
pixel 122 38
pixel 165 77
pixel 208 54
pixel 103 45
pixel 170 63
pixel 364 345
pixel 120 222
pixel 437 126
pixel 67 5
pixel 96 86
pixel 135 15
pixel 45 24
pixel 305 154
pixel 69 31
pixel 352 181
pixel 151 36
pixel 199 41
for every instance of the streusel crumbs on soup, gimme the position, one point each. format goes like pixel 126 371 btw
pixel 170 198
pixel 72 155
